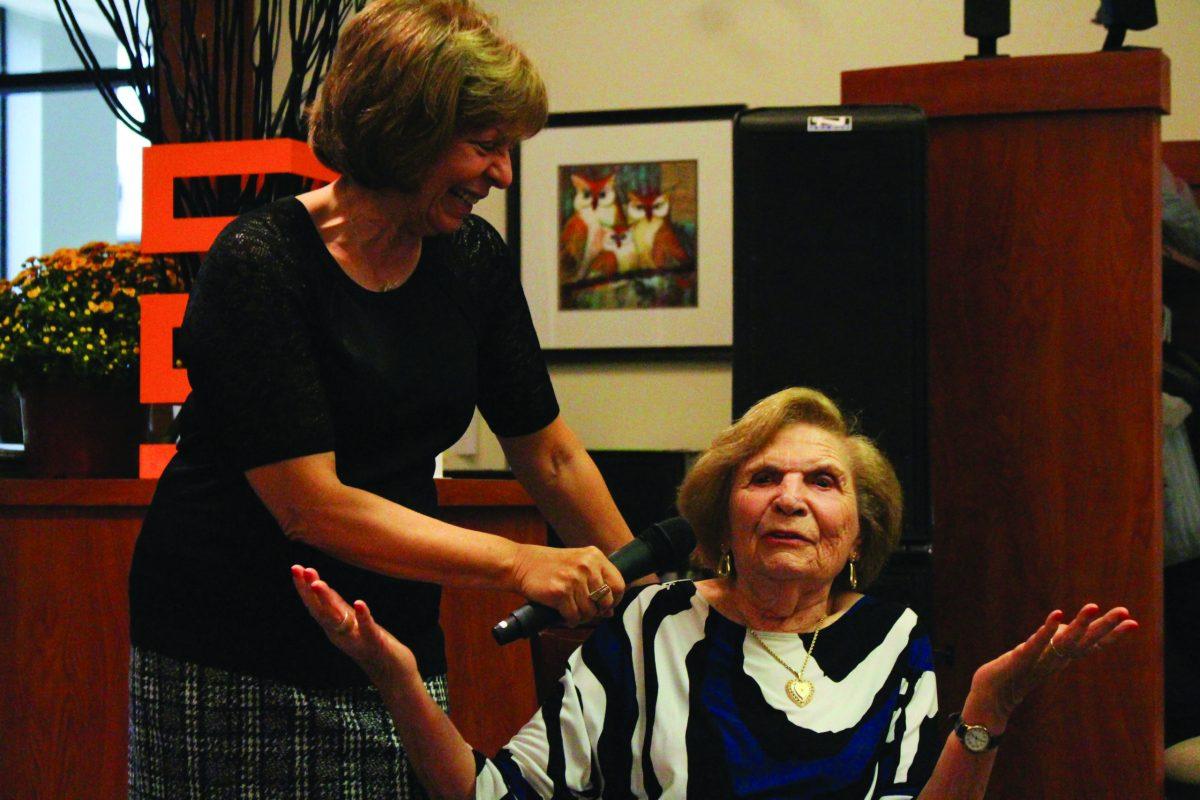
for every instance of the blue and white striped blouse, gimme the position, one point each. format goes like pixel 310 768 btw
pixel 670 699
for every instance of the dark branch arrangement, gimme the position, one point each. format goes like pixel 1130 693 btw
pixel 204 71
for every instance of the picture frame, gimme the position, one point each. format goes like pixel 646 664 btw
pixel 622 225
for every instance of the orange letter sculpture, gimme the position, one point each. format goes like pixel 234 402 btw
pixel 161 380
pixel 163 232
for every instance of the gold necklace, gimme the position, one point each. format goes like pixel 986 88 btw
pixel 799 691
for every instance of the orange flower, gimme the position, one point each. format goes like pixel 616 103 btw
pixel 73 287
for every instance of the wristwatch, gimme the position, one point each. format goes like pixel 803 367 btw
pixel 976 738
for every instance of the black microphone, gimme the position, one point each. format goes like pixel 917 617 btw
pixel 660 547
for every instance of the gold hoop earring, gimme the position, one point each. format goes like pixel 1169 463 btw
pixel 853 576
pixel 725 564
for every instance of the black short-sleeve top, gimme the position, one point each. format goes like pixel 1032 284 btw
pixel 287 356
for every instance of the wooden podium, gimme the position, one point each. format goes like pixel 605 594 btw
pixel 65 549
pixel 1045 419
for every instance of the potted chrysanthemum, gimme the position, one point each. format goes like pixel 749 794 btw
pixel 69 343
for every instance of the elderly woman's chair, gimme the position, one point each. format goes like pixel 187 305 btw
pixel 550 649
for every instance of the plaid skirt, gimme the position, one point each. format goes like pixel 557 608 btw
pixel 206 734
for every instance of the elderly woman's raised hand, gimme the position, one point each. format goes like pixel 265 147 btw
pixel 353 630
pixel 1002 683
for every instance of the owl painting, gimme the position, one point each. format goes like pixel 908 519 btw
pixel 617 253
pixel 654 238
pixel 627 235
pixel 595 208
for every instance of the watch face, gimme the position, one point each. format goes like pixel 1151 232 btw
pixel 976 738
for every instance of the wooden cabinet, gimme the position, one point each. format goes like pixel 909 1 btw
pixel 65 549
pixel 1045 420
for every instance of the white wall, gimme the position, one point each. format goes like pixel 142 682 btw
pixel 633 53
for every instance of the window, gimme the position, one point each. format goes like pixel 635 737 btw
pixel 70 172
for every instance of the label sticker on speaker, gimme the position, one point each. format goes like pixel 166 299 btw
pixel 830 124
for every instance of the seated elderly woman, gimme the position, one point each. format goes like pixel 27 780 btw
pixel 777 678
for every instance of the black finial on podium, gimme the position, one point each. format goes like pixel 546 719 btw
pixel 987 21
pixel 1119 16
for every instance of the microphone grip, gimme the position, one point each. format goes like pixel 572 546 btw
pixel 656 548
pixel 525 621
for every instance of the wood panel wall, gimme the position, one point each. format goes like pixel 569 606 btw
pixel 65 550
pixel 1045 418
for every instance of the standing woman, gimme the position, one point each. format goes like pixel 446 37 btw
pixel 336 342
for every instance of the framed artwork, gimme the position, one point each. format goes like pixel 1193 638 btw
pixel 622 222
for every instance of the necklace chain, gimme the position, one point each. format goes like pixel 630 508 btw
pixel 798 689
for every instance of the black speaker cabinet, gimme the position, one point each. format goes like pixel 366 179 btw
pixel 829 272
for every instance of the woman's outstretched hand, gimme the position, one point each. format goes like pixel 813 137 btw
pixel 443 761
pixel 353 629
pixel 1002 683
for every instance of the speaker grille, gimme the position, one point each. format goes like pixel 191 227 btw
pixel 829 272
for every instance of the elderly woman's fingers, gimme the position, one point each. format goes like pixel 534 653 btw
pixel 1033 647
pixel 1006 680
pixel 1071 635
pixel 1030 663
pixel 1099 633
pixel 1090 631
pixel 303 584
pixel 332 613
pixel 353 630
pixel 1109 628
pixel 366 628
pixel 339 615
pixel 1118 632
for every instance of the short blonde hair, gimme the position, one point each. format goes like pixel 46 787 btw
pixel 704 495
pixel 410 75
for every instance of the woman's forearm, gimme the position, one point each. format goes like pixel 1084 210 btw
pixel 368 531
pixel 313 506
pixel 442 759
pixel 577 503
pixel 561 477
pixel 960 774
pixel 358 527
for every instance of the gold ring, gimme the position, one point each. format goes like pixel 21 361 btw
pixel 1054 651
pixel 345 625
pixel 596 595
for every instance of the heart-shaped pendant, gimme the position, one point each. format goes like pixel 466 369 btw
pixel 800 691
